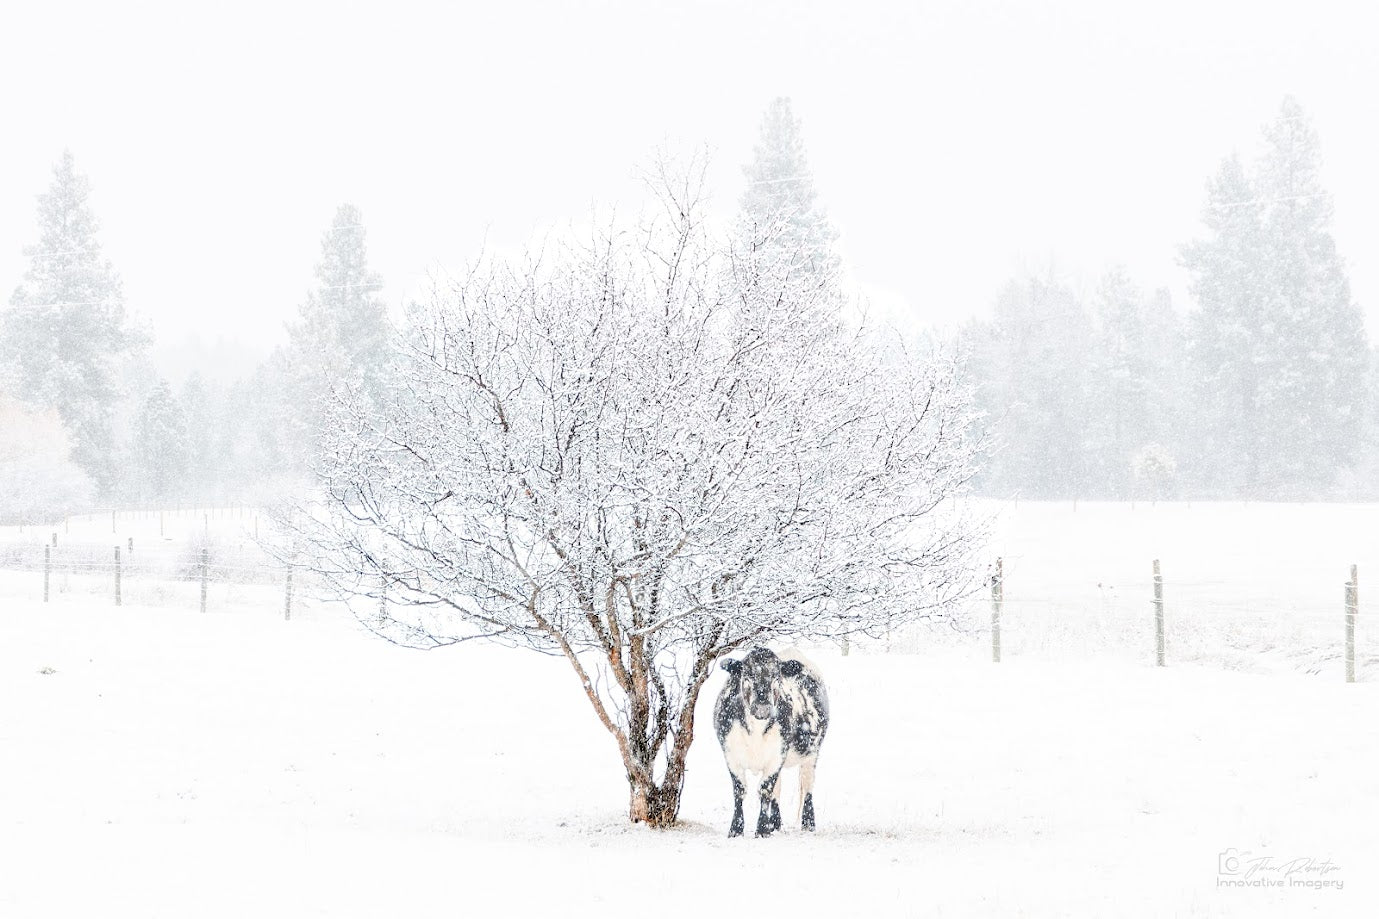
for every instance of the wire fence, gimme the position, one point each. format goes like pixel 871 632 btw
pixel 1208 621
pixel 238 566
pixel 1224 621
pixel 201 577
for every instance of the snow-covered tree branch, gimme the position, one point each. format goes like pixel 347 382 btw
pixel 641 452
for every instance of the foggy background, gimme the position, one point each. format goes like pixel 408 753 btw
pixel 956 148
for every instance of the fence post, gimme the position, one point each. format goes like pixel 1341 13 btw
pixel 997 600
pixel 117 575
pixel 205 563
pixel 112 521
pixel 47 569
pixel 1352 602
pixel 55 540
pixel 160 523
pixel 287 605
pixel 1158 614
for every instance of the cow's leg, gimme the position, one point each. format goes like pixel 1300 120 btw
pixel 775 802
pixel 736 828
pixel 764 823
pixel 807 793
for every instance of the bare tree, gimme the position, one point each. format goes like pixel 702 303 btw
pixel 640 454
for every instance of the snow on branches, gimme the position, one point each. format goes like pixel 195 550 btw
pixel 642 452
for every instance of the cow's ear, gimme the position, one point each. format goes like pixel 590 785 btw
pixel 791 668
pixel 730 665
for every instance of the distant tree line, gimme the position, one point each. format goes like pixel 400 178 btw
pixel 1266 389
pixel 86 418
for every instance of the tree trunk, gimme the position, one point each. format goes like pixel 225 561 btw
pixel 656 806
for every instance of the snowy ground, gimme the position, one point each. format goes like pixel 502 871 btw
pixel 157 762
pixel 177 765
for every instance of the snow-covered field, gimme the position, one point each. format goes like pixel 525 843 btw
pixel 1248 586
pixel 157 762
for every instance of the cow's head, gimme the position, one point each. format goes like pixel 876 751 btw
pixel 758 680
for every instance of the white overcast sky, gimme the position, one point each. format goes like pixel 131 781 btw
pixel 953 143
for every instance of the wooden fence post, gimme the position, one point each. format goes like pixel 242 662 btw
pixel 205 566
pixel 287 605
pixel 47 569
pixel 997 600
pixel 117 575
pixel 112 521
pixel 1352 603
pixel 1158 614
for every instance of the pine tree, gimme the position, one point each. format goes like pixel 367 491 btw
pixel 342 334
pixel 1135 382
pixel 343 325
pixel 779 209
pixel 250 454
pixel 1318 395
pixel 1226 347
pixel 65 331
pixel 202 410
pixel 1031 368
pixel 1121 384
pixel 1278 347
pixel 160 444
pixel 1364 484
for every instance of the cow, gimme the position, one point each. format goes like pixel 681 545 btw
pixel 771 714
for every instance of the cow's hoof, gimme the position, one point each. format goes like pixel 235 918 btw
pixel 734 833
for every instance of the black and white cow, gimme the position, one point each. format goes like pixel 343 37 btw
pixel 771 714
